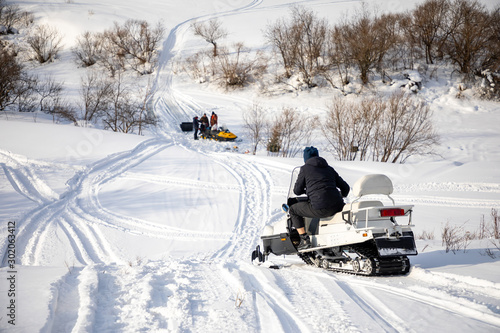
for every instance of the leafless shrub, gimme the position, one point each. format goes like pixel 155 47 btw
pixel 138 43
pixel 45 42
pixel 10 74
pixel 49 92
pixel 338 59
pixel 88 48
pixel 110 56
pixel 95 94
pixel 350 126
pixel 25 93
pixel 211 32
pixel 309 34
pixel 407 47
pixel 495 223
pixel 64 110
pixel 237 67
pixel 289 132
pixel 367 40
pixel 256 123
pixel 427 27
pixel 240 297
pixel 10 16
pixel 426 235
pixel 386 130
pixel 300 43
pixel 405 129
pixel 453 238
pixel 199 66
pixel 126 112
pixel 279 36
pixel 470 29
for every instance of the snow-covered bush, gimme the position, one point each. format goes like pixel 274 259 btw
pixel 236 67
pixel 45 43
pixel 385 130
pixel 88 48
pixel 137 43
pixel 10 75
pixel 289 131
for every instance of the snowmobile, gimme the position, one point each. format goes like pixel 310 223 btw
pixel 364 238
pixel 222 134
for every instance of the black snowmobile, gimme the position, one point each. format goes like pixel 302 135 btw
pixel 362 239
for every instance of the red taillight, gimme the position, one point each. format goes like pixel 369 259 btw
pixel 392 212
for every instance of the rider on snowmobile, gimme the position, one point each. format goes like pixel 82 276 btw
pixel 321 183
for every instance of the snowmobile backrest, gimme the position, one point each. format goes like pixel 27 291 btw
pixel 372 184
pixel 365 204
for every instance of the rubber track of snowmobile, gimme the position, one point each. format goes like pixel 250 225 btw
pixel 366 253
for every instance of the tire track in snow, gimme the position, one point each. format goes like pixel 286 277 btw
pixel 159 179
pixel 80 200
pixel 254 207
pixel 24 180
pixel 429 296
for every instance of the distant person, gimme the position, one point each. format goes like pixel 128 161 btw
pixel 204 123
pixel 213 121
pixel 196 126
pixel 321 183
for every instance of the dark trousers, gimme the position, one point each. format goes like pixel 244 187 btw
pixel 303 209
pixel 196 133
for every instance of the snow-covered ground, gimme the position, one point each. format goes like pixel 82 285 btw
pixel 126 233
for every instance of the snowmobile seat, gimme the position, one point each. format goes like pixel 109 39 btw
pixel 358 215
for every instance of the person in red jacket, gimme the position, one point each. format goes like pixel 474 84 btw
pixel 213 121
pixel 325 191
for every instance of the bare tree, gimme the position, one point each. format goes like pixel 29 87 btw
pixel 88 48
pixel 110 55
pixel 349 126
pixel 236 68
pixel 290 131
pixel 309 34
pixel 280 37
pixel 212 32
pixel 95 93
pixel 367 41
pixel 138 41
pixel 256 124
pixel 388 130
pixel 405 129
pixel 25 93
pixel 126 112
pixel 470 29
pixel 338 58
pixel 45 42
pixel 428 26
pixel 10 74
pixel 50 95
pixel 10 15
pixel 300 43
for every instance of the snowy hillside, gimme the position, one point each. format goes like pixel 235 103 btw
pixel 126 233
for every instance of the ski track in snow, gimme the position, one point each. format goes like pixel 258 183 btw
pixel 190 295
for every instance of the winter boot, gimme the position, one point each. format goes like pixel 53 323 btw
pixel 305 243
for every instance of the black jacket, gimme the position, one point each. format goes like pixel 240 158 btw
pixel 320 182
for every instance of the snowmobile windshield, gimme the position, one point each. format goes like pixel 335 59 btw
pixel 295 175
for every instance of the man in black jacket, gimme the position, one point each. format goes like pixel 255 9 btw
pixel 196 126
pixel 321 183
